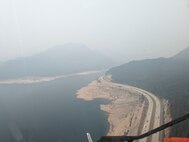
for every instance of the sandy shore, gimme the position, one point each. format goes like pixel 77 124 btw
pixel 124 110
pixel 31 80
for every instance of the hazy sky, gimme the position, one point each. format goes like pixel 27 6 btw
pixel 122 29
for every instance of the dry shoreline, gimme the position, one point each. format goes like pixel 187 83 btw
pixel 31 80
pixel 130 111
pixel 124 110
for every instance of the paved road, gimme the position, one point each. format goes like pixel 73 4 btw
pixel 153 117
pixel 154 114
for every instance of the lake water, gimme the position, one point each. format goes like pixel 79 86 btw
pixel 50 112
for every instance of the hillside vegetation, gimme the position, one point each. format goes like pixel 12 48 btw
pixel 165 77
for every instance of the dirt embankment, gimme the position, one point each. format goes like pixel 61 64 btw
pixel 167 116
pixel 126 107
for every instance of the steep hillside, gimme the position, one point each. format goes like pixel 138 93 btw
pixel 166 77
pixel 59 60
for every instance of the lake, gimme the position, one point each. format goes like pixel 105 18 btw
pixel 50 112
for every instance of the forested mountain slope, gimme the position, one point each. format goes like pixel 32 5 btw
pixel 166 77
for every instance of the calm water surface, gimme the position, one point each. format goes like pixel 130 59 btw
pixel 50 112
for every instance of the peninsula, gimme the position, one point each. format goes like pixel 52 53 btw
pixel 131 110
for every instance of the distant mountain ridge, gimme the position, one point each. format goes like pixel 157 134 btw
pixel 165 77
pixel 69 58
pixel 183 55
pixel 151 70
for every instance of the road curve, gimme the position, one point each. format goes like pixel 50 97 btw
pixel 153 117
pixel 154 114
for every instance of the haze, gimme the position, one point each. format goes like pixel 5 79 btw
pixel 121 29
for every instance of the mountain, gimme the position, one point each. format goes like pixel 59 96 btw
pixel 183 55
pixel 66 59
pixel 165 77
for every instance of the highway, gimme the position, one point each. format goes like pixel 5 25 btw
pixel 153 117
